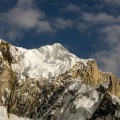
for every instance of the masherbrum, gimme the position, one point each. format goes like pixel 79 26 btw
pixel 50 83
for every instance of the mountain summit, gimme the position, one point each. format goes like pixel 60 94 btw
pixel 50 83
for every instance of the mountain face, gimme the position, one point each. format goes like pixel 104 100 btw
pixel 50 83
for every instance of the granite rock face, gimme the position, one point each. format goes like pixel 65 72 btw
pixel 50 83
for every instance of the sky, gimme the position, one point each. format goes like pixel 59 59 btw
pixel 87 28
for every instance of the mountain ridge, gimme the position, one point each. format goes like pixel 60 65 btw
pixel 50 83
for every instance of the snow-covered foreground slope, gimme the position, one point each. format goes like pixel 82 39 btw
pixel 4 115
pixel 80 102
pixel 50 83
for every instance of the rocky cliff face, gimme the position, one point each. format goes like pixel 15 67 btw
pixel 50 83
pixel 91 75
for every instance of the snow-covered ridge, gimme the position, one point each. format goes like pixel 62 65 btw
pixel 47 61
pixel 83 92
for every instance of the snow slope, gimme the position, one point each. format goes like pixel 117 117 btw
pixel 47 61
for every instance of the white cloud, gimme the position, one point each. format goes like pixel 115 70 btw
pixel 24 3
pixel 100 18
pixel 26 16
pixel 112 2
pixel 90 19
pixel 13 34
pixel 23 17
pixel 61 23
pixel 109 58
pixel 112 35
pixel 81 26
pixel 72 8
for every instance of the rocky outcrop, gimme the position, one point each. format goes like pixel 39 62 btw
pixel 7 76
pixel 91 75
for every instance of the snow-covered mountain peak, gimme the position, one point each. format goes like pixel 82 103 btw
pixel 57 45
pixel 50 59
pixel 36 63
pixel 1 40
pixel 53 50
pixel 50 83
